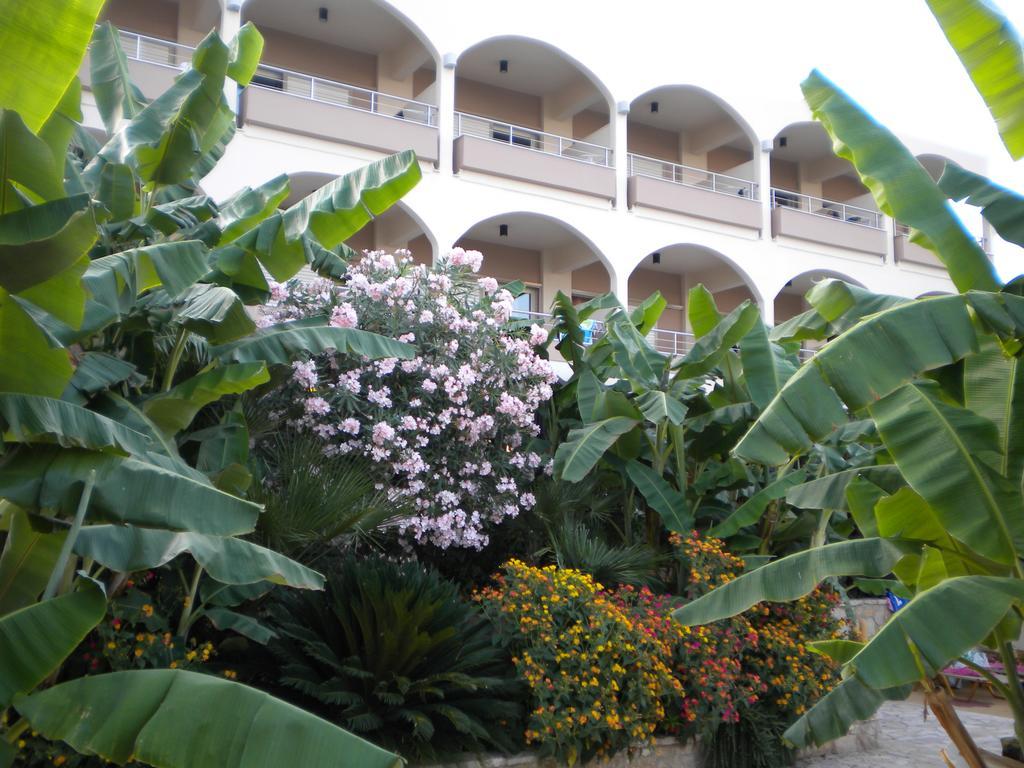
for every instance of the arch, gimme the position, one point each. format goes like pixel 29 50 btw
pixel 552 48
pixel 546 253
pixel 401 217
pixel 675 268
pixel 375 46
pixel 722 104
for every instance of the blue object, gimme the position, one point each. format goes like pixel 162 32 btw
pixel 895 602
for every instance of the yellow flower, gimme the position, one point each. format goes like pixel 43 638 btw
pixel 147 609
pixel 138 652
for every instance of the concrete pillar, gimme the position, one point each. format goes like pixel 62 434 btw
pixel 889 225
pixel 764 177
pixel 230 23
pixel 552 282
pixel 446 112
pixel 767 306
pixel 620 286
pixel 621 118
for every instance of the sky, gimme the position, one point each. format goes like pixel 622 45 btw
pixel 890 55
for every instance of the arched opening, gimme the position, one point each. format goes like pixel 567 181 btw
pixel 687 135
pixel 790 302
pixel 397 228
pixel 673 270
pixel 818 196
pixel 356 55
pixel 524 94
pixel 544 253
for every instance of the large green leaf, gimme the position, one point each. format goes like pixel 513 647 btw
pixel 171 718
pixel 279 344
pixel 34 641
pixel 232 621
pixel 833 714
pixel 710 348
pixel 330 215
pixel 63 125
pixel 27 560
pixel 659 406
pixel 174 410
pixel 829 492
pixel 117 97
pixel 937 626
pixel 661 496
pixel 214 312
pixel 25 160
pixel 991 52
pixel 585 446
pixel 28 361
pixel 638 361
pixel 750 511
pixel 42 44
pixel 249 206
pixel 51 478
pixel 793 577
pixel 844 305
pixel 893 347
pixel 246 49
pixel 1001 207
pixel 900 185
pixel 41 241
pixel 994 389
pixel 36 419
pixel 940 450
pixel 702 311
pixel 128 548
pixel 766 368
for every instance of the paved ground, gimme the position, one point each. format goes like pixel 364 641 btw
pixel 909 741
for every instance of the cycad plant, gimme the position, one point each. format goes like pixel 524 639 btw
pixel 942 514
pixel 391 651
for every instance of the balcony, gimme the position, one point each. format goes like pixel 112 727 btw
pixel 152 63
pixel 514 152
pixel 301 103
pixel 692 191
pixel 826 221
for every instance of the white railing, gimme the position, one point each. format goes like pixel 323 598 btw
pixel 343 95
pixel 901 229
pixel 691 177
pixel 528 138
pixel 830 209
pixel 671 343
pixel 155 51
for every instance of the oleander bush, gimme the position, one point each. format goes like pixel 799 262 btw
pixel 447 431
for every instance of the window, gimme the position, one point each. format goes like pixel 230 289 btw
pixel 527 302
pixel 268 78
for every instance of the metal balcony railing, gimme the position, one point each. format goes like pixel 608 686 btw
pixel 344 95
pixel 901 229
pixel 692 177
pixel 155 51
pixel 830 209
pixel 528 138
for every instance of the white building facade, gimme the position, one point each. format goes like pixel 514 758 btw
pixel 527 156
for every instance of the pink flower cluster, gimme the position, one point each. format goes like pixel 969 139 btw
pixel 448 430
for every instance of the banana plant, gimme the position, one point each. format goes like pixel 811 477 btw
pixel 940 380
pixel 666 425
pixel 127 300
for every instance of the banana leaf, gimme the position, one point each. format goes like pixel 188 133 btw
pixel 35 640
pixel 1001 207
pixel 900 185
pixel 128 548
pixel 991 52
pixel 585 446
pixel 171 718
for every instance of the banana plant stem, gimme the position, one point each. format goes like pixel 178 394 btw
pixel 69 542
pixel 172 364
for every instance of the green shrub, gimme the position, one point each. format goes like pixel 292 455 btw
pixel 391 651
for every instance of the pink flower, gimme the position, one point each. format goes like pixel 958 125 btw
pixel 382 433
pixel 488 285
pixel 317 406
pixel 344 316
pixel 538 335
pixel 350 426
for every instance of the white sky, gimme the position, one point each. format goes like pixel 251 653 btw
pixel 890 55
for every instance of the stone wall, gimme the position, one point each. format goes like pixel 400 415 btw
pixel 869 615
pixel 669 753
